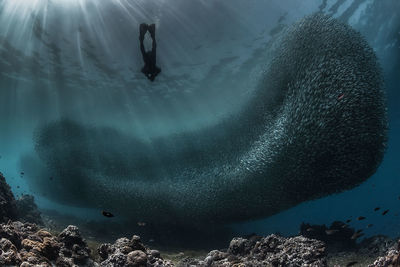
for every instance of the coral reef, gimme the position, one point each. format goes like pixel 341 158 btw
pixel 130 253
pixel 8 206
pixel 391 259
pixel 337 237
pixel 22 209
pixel 376 245
pixel 27 210
pixel 25 245
pixel 272 250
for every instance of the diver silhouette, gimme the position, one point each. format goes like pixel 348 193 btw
pixel 150 69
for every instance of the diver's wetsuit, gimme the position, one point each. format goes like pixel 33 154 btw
pixel 150 69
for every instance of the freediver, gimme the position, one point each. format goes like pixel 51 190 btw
pixel 150 69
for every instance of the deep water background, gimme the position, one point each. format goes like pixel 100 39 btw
pixel 80 59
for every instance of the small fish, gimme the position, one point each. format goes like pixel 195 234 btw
pixel 141 223
pixel 331 232
pixel 377 208
pixel 151 240
pixel 51 178
pixel 107 214
pixel 348 221
pixel 399 197
pixel 386 211
pixel 17 186
pixel 22 173
pixel 310 229
pixel 370 225
pixel 359 231
pixel 344 226
pixel 340 96
pixel 361 218
pixel 351 263
pixel 356 235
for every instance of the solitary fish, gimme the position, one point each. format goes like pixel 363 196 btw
pixel 359 231
pixel 386 211
pixel 107 214
pixel 356 235
pixel 361 218
pixel 370 225
pixel 377 208
pixel 309 230
pixel 141 223
pixel 351 263
pixel 348 221
pixel 340 96
pixel 331 232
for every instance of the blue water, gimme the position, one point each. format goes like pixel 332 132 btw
pixel 87 66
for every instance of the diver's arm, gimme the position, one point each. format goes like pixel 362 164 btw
pixel 153 49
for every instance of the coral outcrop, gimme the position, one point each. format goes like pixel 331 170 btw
pixel 27 210
pixel 25 245
pixel 272 250
pixel 22 209
pixel 8 206
pixel 337 237
pixel 391 259
pixel 130 253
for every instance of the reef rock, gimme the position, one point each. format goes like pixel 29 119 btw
pixel 9 253
pixel 272 250
pixel 22 209
pixel 27 210
pixel 74 250
pixel 315 125
pixel 337 237
pixel 392 258
pixel 25 245
pixel 376 245
pixel 130 253
pixel 7 202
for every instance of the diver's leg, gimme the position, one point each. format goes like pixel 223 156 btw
pixel 143 29
pixel 154 51
pixel 144 56
pixel 152 30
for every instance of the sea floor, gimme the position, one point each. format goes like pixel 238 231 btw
pixel 31 237
pixel 365 254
